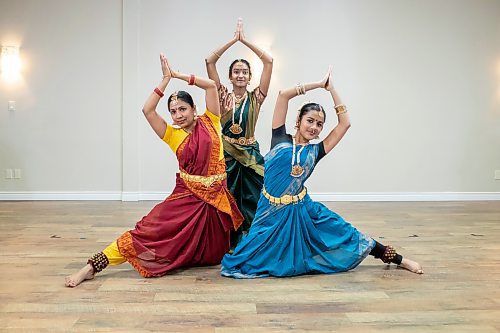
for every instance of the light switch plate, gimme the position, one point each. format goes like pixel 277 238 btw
pixel 11 105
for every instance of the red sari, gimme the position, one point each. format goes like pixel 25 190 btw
pixel 191 227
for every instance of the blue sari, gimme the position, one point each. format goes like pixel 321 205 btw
pixel 294 239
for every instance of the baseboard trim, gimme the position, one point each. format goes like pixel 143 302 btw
pixel 157 196
pixel 35 196
pixel 407 196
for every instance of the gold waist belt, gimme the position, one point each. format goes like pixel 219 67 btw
pixel 241 141
pixel 207 181
pixel 285 199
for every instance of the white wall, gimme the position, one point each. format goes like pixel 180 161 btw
pixel 421 81
pixel 66 132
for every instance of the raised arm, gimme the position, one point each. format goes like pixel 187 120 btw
pixel 267 60
pixel 158 124
pixel 334 137
pixel 281 107
pixel 212 58
pixel 211 96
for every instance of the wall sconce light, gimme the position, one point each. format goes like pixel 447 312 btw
pixel 10 63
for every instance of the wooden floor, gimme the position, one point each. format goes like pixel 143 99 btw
pixel 456 242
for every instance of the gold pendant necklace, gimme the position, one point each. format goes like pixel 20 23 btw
pixel 236 127
pixel 297 170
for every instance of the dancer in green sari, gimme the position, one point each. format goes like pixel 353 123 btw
pixel 239 112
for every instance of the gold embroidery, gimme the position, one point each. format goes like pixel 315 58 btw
pixel 285 199
pixel 242 141
pixel 207 181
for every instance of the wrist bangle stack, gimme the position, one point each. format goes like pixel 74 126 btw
pixel 158 92
pixel 300 89
pixel 192 79
pixel 340 109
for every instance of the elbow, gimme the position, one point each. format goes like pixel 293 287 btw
pixel 281 96
pixel 345 126
pixel 212 84
pixel 147 112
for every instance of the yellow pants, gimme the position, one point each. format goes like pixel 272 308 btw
pixel 114 256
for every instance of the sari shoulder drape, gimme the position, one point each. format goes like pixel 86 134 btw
pixel 205 160
pixel 296 238
pixel 247 155
pixel 191 226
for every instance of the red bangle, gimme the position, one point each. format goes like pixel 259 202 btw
pixel 192 78
pixel 158 92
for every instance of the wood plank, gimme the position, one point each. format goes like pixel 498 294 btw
pixel 456 242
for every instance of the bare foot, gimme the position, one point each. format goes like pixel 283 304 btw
pixel 86 273
pixel 412 266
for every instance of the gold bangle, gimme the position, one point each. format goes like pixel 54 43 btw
pixel 261 55
pixel 300 89
pixel 341 108
pixel 218 56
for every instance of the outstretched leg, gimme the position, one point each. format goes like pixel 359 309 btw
pixel 95 264
pixel 86 273
pixel 388 255
pixel 411 265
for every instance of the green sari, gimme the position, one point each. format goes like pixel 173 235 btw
pixel 244 163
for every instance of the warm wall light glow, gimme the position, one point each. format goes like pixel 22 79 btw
pixel 256 63
pixel 10 65
pixel 498 80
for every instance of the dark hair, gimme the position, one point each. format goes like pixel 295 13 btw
pixel 243 61
pixel 306 108
pixel 183 96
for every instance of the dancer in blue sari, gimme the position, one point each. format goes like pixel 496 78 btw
pixel 291 234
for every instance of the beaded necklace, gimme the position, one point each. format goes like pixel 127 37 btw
pixel 236 128
pixel 297 169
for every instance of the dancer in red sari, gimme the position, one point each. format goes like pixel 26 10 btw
pixel 191 227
